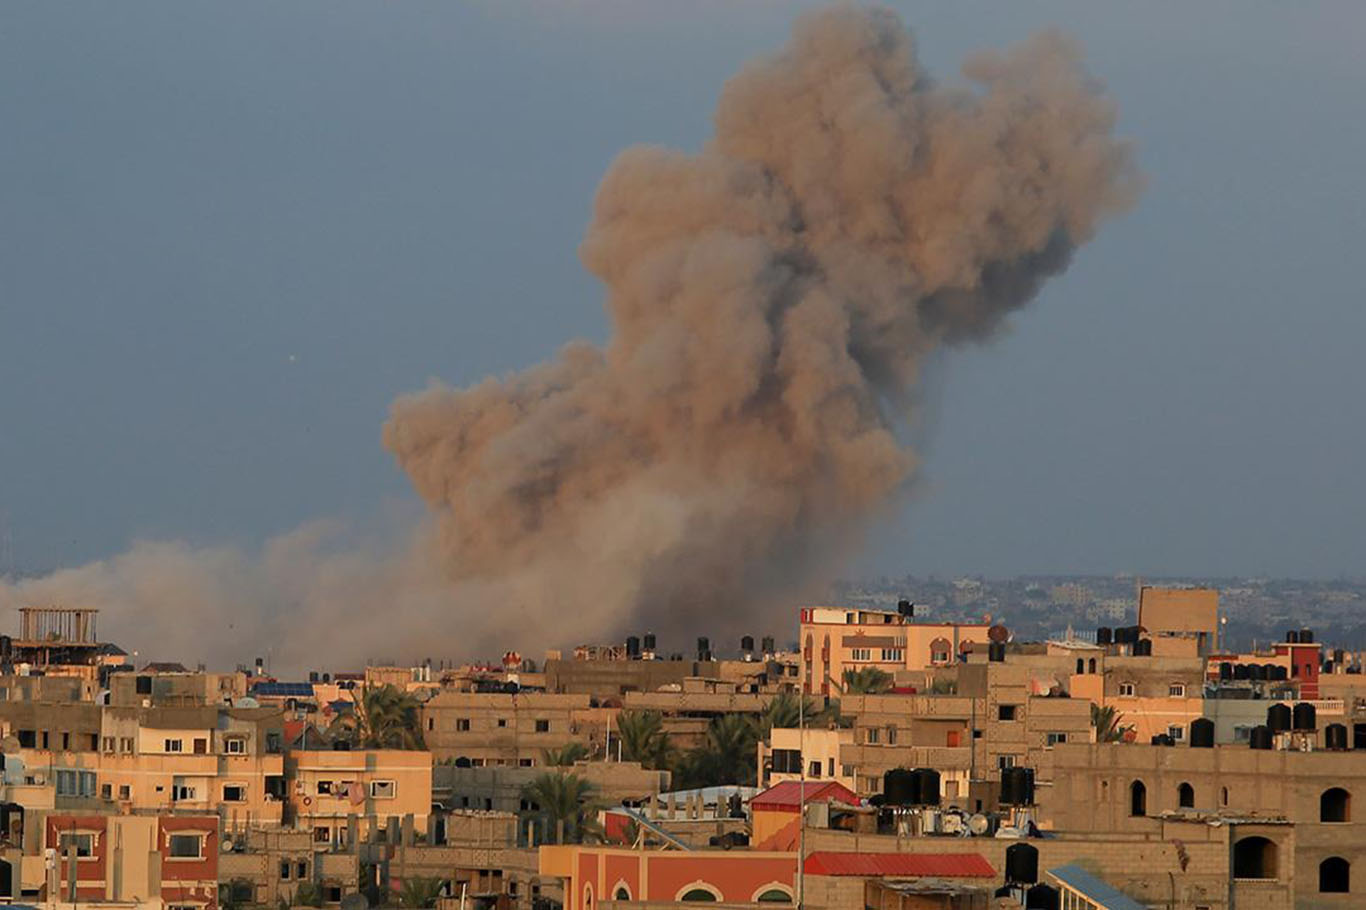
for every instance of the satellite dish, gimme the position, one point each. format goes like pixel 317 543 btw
pixel 226 846
pixel 952 824
pixel 978 824
pixel 998 634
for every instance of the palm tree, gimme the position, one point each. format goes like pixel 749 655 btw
pixel 866 681
pixel 727 757
pixel 643 738
pixel 384 717
pixel 565 756
pixel 1106 721
pixel 418 893
pixel 559 797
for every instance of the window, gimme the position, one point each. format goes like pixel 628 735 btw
pixel 891 655
pixel 1092 664
pixel 462 725
pixel 27 739
pixel 1006 712
pixel 774 896
pixel 542 726
pixel 173 745
pixel 787 761
pixel 830 769
pixel 1126 689
pixel 1335 806
pixel 106 791
pixel 1223 796
pixel 1242 733
pixel 622 893
pixel 201 746
pixel 1081 665
pixel 698 896
pixel 814 770
pixel 183 792
pixel 1005 761
pixel 939 657
pixel 84 844
pixel 1335 876
pixel 324 788
pixel 502 722
pixel 301 870
pixel 76 783
pixel 286 869
pixel 1176 732
pixel 126 745
pixel 109 743
pixel 332 894
pixel 234 793
pixel 125 791
pixel 322 835
pixel 1176 690
pixel 891 735
pixel 525 762
pixel 235 745
pixel 862 654
pixel 1254 857
pixel 1185 796
pixel 1055 738
pixel 873 735
pixel 382 789
pixel 1138 799
pixel 187 846
pixel 274 741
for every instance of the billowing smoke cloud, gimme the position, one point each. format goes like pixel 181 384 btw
pixel 773 300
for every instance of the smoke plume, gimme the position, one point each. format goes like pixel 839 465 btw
pixel 773 300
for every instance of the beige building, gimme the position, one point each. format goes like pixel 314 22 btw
pixel 836 639
pixel 1181 622
pixel 372 785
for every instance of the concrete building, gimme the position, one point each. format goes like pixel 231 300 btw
pixel 834 640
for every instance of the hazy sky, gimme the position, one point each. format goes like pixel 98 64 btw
pixel 233 232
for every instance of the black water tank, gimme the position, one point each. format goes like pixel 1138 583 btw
pixel 1104 635
pixel 1240 671
pixel 1022 864
pixel 1225 671
pixel 312 676
pixel 704 649
pixel 1202 733
pixel 649 641
pixel 1268 671
pixel 1260 738
pixel 1278 718
pixel 747 644
pixel 1163 739
pixel 1335 737
pixel 905 608
pixel 768 645
pixel 1305 717
pixel 1041 897
pixel 1280 674
pixel 1143 647
pixel 1327 668
pixel 928 787
pixel 900 787
pixel 1256 672
pixel 996 652
pixel 143 685
pixel 1339 656
pixel 1292 637
pixel 632 646
pixel 1017 787
pixel 1306 636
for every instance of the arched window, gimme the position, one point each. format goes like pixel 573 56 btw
pixel 1335 876
pixel 621 892
pixel 1081 666
pixel 1138 798
pixel 1223 796
pixel 1185 796
pixel 698 896
pixel 1254 857
pixel 1093 665
pixel 1335 805
pixel 774 894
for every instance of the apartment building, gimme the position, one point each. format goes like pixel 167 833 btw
pixel 133 860
pixel 343 795
pixel 835 639
pixel 483 729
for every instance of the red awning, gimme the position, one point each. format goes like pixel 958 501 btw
pixel 934 865
pixel 787 795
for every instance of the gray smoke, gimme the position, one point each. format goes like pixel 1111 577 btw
pixel 773 300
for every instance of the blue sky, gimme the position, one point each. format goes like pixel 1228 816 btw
pixel 233 233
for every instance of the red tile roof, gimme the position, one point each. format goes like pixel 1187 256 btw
pixel 787 795
pixel 937 865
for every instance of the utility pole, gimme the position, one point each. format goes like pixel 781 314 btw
pixel 801 800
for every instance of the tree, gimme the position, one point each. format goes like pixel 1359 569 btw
pixel 643 739
pixel 559 797
pixel 384 717
pixel 785 711
pixel 307 895
pixel 1106 721
pixel 565 756
pixel 418 893
pixel 727 757
pixel 866 681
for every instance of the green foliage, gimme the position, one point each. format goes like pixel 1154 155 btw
pixel 417 893
pixel 729 755
pixel 569 798
pixel 384 717
pixel 943 687
pixel 308 895
pixel 643 739
pixel 866 681
pixel 1106 721
pixel 565 756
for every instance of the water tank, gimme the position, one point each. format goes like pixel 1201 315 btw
pixel 1339 656
pixel 1260 738
pixel 1280 674
pixel 929 788
pixel 900 787
pixel 1225 671
pixel 1305 717
pixel 1022 864
pixel 1335 737
pixel 1306 636
pixel 1202 733
pixel 1268 671
pixel 1143 647
pixel 1240 671
pixel 905 608
pixel 1292 637
pixel 747 644
pixel 704 649
pixel 1017 787
pixel 1104 635
pixel 1278 718
pixel 1041 897
pixel 768 645
pixel 1163 739
pixel 996 652
pixel 649 641
pixel 632 646
pixel 1256 672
